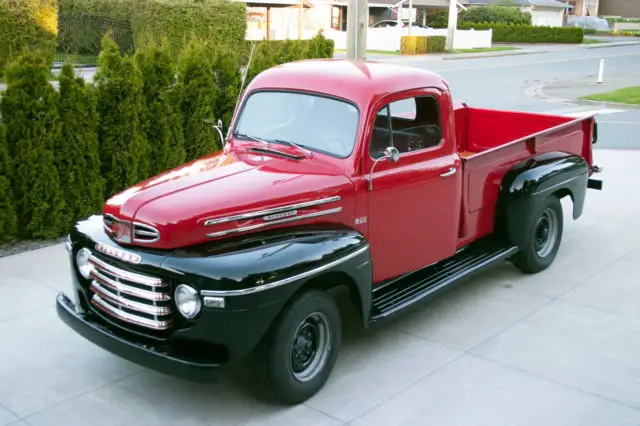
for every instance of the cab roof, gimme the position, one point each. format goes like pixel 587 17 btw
pixel 357 81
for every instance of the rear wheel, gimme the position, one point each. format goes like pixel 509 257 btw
pixel 298 354
pixel 544 235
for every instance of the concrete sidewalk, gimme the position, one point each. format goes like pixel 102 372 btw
pixel 556 348
pixel 577 88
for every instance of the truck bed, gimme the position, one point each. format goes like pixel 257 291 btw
pixel 490 142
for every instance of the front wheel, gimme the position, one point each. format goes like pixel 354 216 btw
pixel 298 354
pixel 543 238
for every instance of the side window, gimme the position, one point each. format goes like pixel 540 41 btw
pixel 408 125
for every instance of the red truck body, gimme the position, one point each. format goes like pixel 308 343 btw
pixel 384 185
pixel 480 144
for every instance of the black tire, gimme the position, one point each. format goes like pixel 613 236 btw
pixel 312 314
pixel 540 248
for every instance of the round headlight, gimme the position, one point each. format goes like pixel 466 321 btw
pixel 82 260
pixel 187 301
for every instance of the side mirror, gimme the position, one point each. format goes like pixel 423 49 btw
pixel 391 154
pixel 218 127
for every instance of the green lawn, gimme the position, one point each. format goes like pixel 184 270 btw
pixel 628 95
pixel 484 49
pixel 593 41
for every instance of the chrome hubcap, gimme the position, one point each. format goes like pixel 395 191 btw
pixel 546 233
pixel 310 346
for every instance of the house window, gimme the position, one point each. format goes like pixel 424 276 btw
pixel 409 125
pixel 335 18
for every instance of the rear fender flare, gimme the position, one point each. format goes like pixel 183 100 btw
pixel 527 184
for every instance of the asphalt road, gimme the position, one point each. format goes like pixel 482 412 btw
pixel 513 82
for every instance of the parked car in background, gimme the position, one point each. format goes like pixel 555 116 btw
pixel 393 23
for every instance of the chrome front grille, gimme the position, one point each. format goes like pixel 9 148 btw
pixel 130 297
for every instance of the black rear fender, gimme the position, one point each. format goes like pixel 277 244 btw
pixel 527 184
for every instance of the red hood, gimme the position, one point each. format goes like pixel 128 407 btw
pixel 220 187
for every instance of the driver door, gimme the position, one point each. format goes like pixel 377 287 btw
pixel 414 203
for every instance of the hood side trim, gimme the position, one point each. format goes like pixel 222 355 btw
pixel 252 215
pixel 275 222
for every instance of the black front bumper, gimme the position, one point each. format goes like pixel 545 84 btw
pixel 135 352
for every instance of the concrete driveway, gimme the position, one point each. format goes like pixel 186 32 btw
pixel 558 348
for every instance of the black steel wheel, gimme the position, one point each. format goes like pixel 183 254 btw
pixel 543 238
pixel 299 351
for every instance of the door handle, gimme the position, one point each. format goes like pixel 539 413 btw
pixel 450 172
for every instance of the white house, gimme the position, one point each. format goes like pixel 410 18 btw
pixel 543 12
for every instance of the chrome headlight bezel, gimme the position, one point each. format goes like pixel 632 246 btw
pixel 184 295
pixel 82 262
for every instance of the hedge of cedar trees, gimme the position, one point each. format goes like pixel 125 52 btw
pixel 63 152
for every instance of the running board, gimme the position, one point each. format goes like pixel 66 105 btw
pixel 415 286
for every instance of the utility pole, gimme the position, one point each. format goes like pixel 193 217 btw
pixel 453 22
pixel 357 25
pixel 410 9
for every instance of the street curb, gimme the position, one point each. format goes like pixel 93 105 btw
pixel 461 56
pixel 613 104
pixel 612 44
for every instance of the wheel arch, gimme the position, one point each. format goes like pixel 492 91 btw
pixel 359 291
pixel 530 182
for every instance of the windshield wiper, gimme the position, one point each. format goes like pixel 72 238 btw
pixel 268 142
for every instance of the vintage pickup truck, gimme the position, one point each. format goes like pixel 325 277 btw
pixel 333 173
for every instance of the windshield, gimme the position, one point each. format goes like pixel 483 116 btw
pixel 314 122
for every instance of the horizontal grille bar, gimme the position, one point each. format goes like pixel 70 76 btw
pixel 126 275
pixel 103 305
pixel 127 289
pixel 127 303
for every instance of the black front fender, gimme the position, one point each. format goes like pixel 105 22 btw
pixel 258 275
pixel 526 185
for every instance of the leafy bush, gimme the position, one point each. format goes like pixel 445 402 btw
pixel 162 120
pixel 116 9
pixel 124 151
pixel 320 47
pixel 590 31
pixel 8 219
pixel 30 115
pixel 197 88
pixel 76 153
pixel 262 59
pixel 496 14
pixel 503 33
pixel 435 44
pixel 27 25
pixel 439 18
pixel 419 45
pixel 409 45
pixel 222 22
pixel 493 13
pixel 227 81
